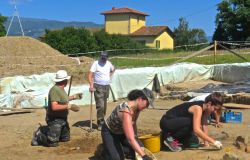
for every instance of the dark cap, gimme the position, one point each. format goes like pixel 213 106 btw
pixel 104 54
pixel 150 96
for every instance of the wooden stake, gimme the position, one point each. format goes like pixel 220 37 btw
pixel 215 50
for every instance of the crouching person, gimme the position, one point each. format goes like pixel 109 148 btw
pixel 120 126
pixel 183 123
pixel 57 129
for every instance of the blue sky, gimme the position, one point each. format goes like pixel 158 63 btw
pixel 199 13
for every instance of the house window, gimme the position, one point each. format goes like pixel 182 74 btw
pixel 158 44
pixel 138 19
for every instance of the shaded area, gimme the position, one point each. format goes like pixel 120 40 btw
pixel 84 124
pixel 232 88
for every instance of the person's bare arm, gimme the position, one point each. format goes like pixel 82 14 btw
pixel 75 96
pixel 135 126
pixel 112 72
pixel 55 106
pixel 91 81
pixel 197 116
pixel 204 124
pixel 217 114
pixel 130 134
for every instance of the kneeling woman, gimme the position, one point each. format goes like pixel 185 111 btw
pixel 184 122
pixel 120 126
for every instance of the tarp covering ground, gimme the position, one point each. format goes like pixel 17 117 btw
pixel 31 91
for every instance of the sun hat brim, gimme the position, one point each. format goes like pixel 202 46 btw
pixel 61 79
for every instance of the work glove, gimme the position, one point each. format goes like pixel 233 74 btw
pixel 218 144
pixel 73 107
pixel 146 157
pixel 77 96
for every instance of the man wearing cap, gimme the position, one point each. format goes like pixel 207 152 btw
pixel 120 127
pixel 99 79
pixel 57 129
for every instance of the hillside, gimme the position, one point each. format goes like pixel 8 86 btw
pixel 36 27
pixel 27 56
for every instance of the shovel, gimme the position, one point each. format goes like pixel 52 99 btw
pixel 91 108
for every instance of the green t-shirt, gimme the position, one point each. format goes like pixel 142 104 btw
pixel 57 94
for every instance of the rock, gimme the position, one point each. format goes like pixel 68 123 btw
pixel 242 147
pixel 248 149
pixel 230 156
pixel 246 140
pixel 242 139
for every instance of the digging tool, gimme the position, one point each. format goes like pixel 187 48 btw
pixel 70 83
pixel 91 107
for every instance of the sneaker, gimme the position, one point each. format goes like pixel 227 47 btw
pixel 99 124
pixel 172 144
pixel 34 141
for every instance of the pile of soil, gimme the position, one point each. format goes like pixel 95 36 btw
pixel 27 56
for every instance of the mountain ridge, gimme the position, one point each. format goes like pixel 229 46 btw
pixel 35 27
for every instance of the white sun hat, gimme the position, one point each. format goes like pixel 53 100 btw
pixel 61 75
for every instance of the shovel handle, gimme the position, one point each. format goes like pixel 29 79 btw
pixel 91 107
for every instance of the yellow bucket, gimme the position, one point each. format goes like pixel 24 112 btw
pixel 152 142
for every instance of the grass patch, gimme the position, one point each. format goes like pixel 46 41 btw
pixel 163 59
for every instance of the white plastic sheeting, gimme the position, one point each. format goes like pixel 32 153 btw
pixel 232 72
pixel 126 80
pixel 32 90
pixel 182 72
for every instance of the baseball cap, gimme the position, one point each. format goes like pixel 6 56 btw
pixel 104 54
pixel 150 96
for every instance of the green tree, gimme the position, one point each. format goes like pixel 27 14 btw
pixel 103 40
pixel 232 20
pixel 70 40
pixel 2 29
pixel 186 36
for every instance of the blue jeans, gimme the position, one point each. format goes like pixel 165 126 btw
pixel 116 146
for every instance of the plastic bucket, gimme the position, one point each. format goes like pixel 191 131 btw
pixel 152 142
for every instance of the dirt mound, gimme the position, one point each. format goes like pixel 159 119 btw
pixel 27 56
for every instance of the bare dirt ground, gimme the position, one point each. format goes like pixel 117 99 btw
pixel 28 56
pixel 16 133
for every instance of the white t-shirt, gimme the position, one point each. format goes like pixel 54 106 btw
pixel 102 73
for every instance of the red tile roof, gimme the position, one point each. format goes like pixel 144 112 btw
pixel 152 31
pixel 123 10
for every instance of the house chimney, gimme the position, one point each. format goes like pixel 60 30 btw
pixel 113 8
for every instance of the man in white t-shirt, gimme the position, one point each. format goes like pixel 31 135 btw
pixel 99 79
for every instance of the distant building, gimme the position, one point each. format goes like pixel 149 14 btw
pixel 127 21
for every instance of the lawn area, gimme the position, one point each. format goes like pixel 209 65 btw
pixel 163 59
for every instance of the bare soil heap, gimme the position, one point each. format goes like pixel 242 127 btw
pixel 27 56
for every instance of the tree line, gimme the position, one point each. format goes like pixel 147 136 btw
pixel 2 29
pixel 72 40
pixel 233 21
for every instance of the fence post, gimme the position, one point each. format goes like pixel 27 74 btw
pixel 215 50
